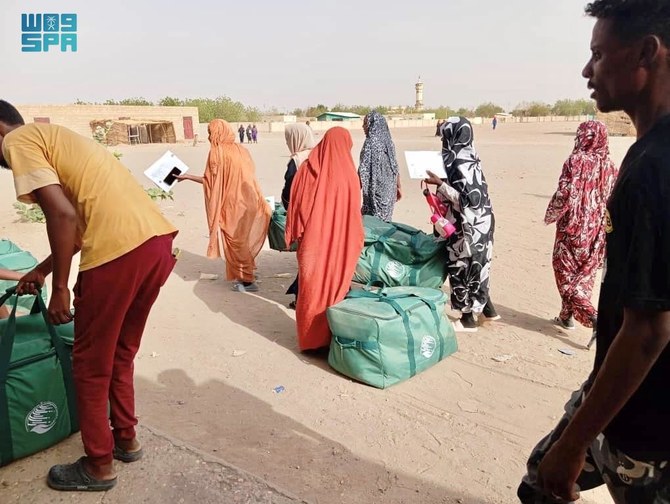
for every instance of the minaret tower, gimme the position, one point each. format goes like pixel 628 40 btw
pixel 419 94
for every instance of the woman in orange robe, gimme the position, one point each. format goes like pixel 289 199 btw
pixel 237 213
pixel 324 217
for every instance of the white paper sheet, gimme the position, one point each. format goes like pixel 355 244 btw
pixel 418 162
pixel 162 168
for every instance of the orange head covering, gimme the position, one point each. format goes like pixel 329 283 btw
pixel 237 212
pixel 329 162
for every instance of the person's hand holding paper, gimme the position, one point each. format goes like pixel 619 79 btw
pixel 420 163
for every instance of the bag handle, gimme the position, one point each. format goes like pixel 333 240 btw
pixel 379 247
pixel 6 346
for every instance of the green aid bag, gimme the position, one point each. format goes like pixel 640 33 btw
pixel 396 255
pixel 277 228
pixel 37 396
pixel 385 337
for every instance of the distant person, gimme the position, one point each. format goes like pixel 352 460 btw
pixel 378 169
pixel 615 428
pixel 578 209
pixel 324 217
pixel 254 134
pixel 300 142
pixel 471 247
pixel 308 125
pixel 240 132
pixel 92 204
pixel 494 123
pixel 249 133
pixel 237 213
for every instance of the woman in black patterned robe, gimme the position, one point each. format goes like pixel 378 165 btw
pixel 471 247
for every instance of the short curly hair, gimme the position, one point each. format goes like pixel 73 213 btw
pixel 633 19
pixel 9 115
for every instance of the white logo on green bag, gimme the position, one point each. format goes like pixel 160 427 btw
pixel 42 418
pixel 428 346
pixel 395 270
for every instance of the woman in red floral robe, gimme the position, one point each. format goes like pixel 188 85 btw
pixel 578 209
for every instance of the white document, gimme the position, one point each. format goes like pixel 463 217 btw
pixel 418 162
pixel 162 169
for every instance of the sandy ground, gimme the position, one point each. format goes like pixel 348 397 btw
pixel 460 432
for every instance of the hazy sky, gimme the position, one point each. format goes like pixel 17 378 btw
pixel 294 53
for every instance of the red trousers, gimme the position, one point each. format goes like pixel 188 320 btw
pixel 112 303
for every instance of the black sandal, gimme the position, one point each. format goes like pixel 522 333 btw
pixel 127 456
pixel 74 478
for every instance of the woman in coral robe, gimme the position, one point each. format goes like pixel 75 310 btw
pixel 324 217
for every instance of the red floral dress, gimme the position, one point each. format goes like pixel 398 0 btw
pixel 578 209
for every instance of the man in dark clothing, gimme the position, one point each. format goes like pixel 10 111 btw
pixel 616 429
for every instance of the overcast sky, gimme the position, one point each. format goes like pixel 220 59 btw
pixel 294 53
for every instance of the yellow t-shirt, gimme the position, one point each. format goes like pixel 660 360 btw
pixel 114 213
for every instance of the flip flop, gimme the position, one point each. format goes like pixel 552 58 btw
pixel 127 456
pixel 74 478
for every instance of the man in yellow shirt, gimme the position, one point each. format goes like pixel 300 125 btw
pixel 92 203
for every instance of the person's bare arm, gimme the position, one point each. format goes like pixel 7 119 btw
pixel 10 275
pixel 192 178
pixel 61 221
pixel 644 335
pixel 635 350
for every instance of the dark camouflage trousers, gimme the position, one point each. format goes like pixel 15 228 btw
pixel 629 481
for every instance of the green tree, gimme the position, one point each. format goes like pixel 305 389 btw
pixel 316 111
pixel 298 112
pixel 465 112
pixel 443 112
pixel 129 102
pixel 532 109
pixel 488 110
pixel 168 101
pixel 574 107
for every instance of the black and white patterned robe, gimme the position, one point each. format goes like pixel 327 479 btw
pixel 466 192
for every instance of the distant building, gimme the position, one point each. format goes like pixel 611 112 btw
pixel 131 124
pixel 286 118
pixel 338 116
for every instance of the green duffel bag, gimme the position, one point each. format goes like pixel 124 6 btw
pixel 398 255
pixel 8 247
pixel 384 337
pixel 15 259
pixel 37 396
pixel 277 229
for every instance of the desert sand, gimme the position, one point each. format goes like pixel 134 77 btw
pixel 460 432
